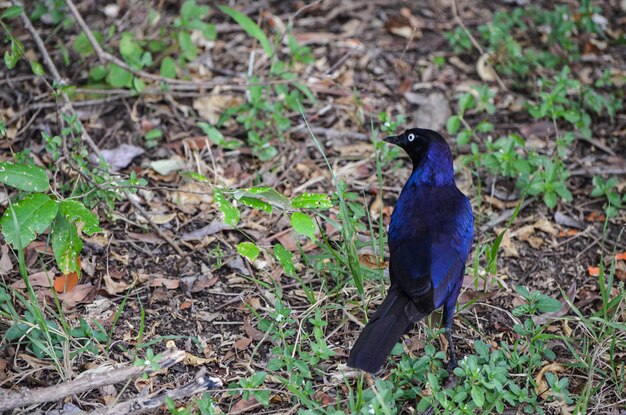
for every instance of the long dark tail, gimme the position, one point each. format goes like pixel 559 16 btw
pixel 394 317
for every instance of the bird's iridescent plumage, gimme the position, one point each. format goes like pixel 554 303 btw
pixel 430 237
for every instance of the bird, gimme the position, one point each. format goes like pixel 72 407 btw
pixel 430 237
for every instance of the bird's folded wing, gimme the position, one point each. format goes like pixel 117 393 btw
pixel 426 271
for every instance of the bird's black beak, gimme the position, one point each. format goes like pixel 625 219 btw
pixel 393 139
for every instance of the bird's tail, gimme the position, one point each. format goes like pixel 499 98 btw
pixel 394 317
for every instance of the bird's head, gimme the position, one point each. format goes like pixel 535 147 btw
pixel 426 148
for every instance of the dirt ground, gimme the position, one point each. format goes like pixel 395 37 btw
pixel 209 301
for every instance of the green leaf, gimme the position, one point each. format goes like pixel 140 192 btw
pixel 268 194
pixel 303 224
pixel 312 201
pixel 550 199
pixel 192 175
pixel 249 250
pixel 23 176
pixel 119 77
pixel 478 396
pixel 98 72
pixel 11 12
pixel 139 85
pixel 464 137
pixel 285 258
pixel 154 134
pixel 212 133
pixel 255 203
pixel 32 215
pixel 466 101
pixel 66 244
pixel 546 304
pixel 168 68
pixel 453 124
pixel 230 212
pixel 250 27
pixel 83 47
pixel 75 212
pixel 37 68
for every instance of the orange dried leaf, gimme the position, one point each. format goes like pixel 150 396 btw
pixel 620 256
pixel 593 271
pixel 66 282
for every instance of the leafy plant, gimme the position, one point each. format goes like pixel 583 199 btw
pixel 35 212
pixel 263 115
pixel 607 189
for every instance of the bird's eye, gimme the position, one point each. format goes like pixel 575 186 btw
pixel 411 137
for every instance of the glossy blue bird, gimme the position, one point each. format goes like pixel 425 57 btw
pixel 430 238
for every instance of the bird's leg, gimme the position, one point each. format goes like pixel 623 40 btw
pixel 452 363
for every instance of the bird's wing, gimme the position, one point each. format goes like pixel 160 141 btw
pixel 429 265
pixel 410 268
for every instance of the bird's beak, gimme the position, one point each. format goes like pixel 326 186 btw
pixel 393 139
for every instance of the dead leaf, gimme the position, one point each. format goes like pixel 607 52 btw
pixel 211 107
pixel 203 283
pixel 119 157
pixel 251 331
pixel 167 166
pixel 214 227
pixel 244 405
pixel 6 265
pixel 38 279
pixel 185 305
pixel 484 69
pixel 542 389
pixel 434 111
pixel 595 216
pixel 372 261
pixel 242 344
pixel 168 283
pixel 508 246
pixel 116 287
pixel 66 282
pixel 80 294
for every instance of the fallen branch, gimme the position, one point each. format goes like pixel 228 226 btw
pixel 153 401
pixel 15 399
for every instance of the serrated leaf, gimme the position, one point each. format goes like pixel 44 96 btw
pixel 26 219
pixel 285 258
pixel 23 176
pixel 255 203
pixel 303 224
pixel 230 212
pixel 250 27
pixel 249 250
pixel 75 212
pixel 66 245
pixel 312 201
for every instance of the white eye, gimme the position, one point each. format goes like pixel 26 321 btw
pixel 411 137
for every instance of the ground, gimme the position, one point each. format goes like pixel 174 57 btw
pixel 188 286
